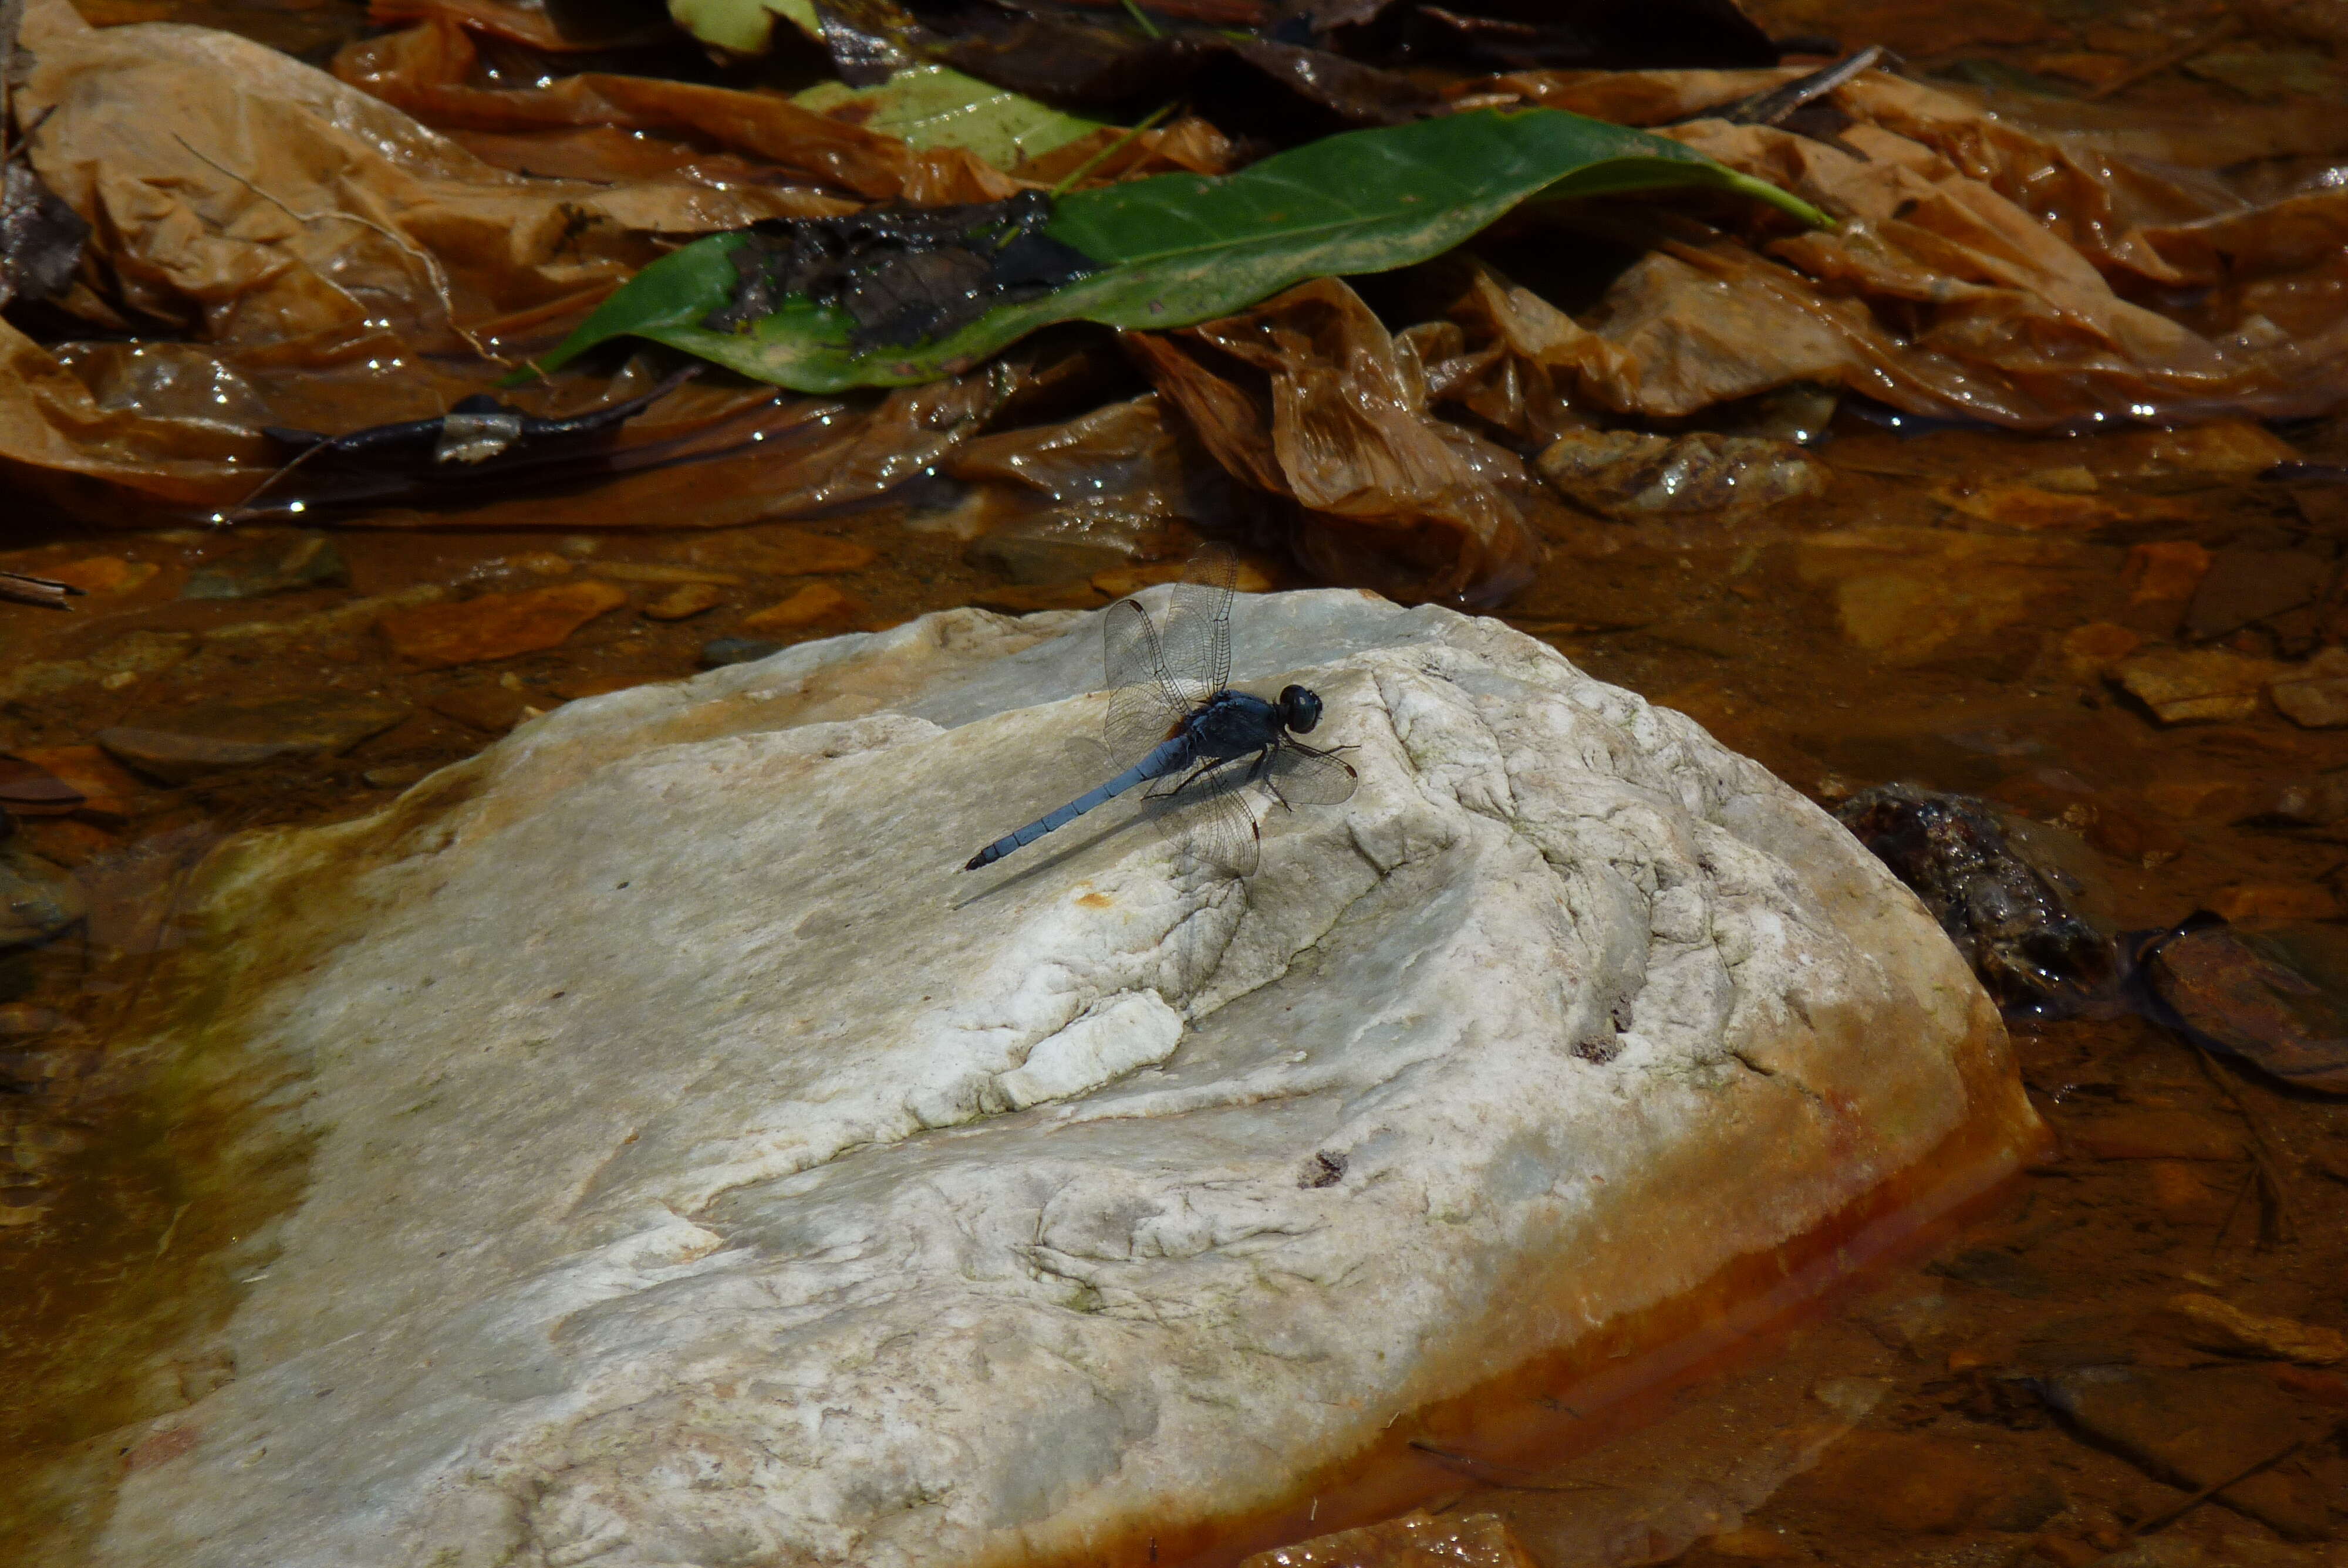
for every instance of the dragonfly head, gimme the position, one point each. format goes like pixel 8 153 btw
pixel 1299 709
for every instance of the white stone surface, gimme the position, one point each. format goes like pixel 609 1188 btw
pixel 705 1172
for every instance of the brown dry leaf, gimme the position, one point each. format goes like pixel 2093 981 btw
pixel 1306 396
pixel 1190 145
pixel 429 70
pixel 528 22
pixel 1969 278
pixel 351 214
pixel 359 239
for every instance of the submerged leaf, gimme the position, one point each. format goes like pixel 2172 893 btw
pixel 1179 249
pixel 936 106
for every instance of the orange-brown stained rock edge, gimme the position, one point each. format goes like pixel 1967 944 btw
pixel 498 625
pixel 1569 1399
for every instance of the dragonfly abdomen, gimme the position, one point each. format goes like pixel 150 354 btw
pixel 1171 756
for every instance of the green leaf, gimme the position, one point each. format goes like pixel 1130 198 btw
pixel 935 106
pixel 743 27
pixel 1182 248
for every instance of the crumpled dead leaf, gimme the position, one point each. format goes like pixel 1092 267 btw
pixel 1307 397
pixel 333 286
pixel 428 71
pixel 1942 291
pixel 531 22
pixel 352 214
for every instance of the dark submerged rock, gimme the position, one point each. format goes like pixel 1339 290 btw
pixel 280 565
pixel 2245 994
pixel 2008 920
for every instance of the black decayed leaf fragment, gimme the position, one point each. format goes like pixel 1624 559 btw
pixel 902 274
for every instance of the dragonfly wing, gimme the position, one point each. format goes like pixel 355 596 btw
pixel 1197 637
pixel 1218 829
pixel 1305 777
pixel 1144 704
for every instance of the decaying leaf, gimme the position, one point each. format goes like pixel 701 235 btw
pixel 1305 397
pixel 1175 249
pixel 430 71
pixel 1941 290
pixel 901 274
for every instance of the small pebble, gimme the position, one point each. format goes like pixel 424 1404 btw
pixel 686 599
pixel 814 605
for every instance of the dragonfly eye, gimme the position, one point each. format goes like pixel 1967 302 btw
pixel 1299 709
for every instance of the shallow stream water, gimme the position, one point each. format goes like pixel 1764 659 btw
pixel 1949 614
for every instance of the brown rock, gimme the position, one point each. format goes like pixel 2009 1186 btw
pixel 28 789
pixel 2243 586
pixel 104 788
pixel 2165 569
pixel 2152 1134
pixel 1417 1539
pixel 2029 506
pixel 636 571
pixel 1756 1544
pixel 101 574
pixel 2195 1429
pixel 1910 1483
pixel 2314 696
pixel 683 600
pixel 2268 901
pixel 2249 994
pixel 814 605
pixel 2090 651
pixel 2219 1325
pixel 780 552
pixel 1911 595
pixel 487 707
pixel 178 744
pixel 120 663
pixel 498 625
pixel 1628 472
pixel 2194 686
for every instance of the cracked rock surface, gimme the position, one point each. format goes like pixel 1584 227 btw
pixel 702 1169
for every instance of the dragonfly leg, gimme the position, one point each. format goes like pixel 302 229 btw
pixel 1160 789
pixel 1261 769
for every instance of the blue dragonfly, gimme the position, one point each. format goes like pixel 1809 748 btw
pixel 1175 723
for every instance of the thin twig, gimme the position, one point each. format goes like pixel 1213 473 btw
pixel 2160 1520
pixel 2153 67
pixel 431 264
pixel 25 588
pixel 1103 156
pixel 1769 108
pixel 2264 1171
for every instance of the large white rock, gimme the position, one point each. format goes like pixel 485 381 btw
pixel 704 1171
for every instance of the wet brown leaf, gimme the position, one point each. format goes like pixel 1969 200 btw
pixel 1306 398
pixel 429 70
pixel 1969 277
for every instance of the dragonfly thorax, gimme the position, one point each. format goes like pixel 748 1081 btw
pixel 1232 724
